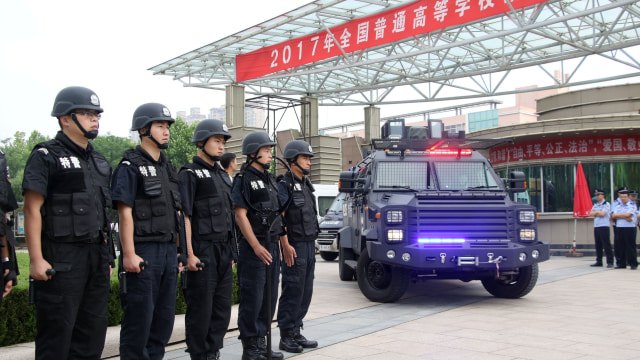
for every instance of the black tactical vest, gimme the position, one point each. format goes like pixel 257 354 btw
pixel 157 201
pixel 261 191
pixel 77 194
pixel 301 216
pixel 7 199
pixel 211 216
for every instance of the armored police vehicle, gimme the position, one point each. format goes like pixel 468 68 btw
pixel 331 223
pixel 424 204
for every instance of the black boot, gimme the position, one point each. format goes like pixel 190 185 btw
pixel 302 341
pixel 262 346
pixel 287 341
pixel 250 350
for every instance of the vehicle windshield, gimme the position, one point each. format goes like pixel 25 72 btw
pixel 465 176
pixel 336 205
pixel 404 175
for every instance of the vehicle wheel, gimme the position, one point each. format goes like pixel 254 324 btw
pixel 380 282
pixel 346 272
pixel 328 255
pixel 514 286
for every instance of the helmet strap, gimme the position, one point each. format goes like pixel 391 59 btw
pixel 88 134
pixel 253 159
pixel 294 161
pixel 148 134
pixel 304 171
pixel 201 147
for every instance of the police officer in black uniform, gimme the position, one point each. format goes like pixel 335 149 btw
pixel 66 192
pixel 145 191
pixel 255 194
pixel 298 246
pixel 206 200
pixel 8 203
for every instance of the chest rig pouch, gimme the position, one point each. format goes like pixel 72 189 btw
pixel 262 192
pixel 78 191
pixel 211 217
pixel 157 199
pixel 301 215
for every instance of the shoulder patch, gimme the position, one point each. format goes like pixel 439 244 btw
pixel 126 162
pixel 44 150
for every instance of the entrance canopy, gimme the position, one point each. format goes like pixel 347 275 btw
pixel 374 52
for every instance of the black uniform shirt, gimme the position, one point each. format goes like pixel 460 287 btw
pixel 124 183
pixel 41 166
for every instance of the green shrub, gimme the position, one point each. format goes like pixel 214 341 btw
pixel 18 318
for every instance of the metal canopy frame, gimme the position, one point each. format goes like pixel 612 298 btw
pixel 273 103
pixel 461 62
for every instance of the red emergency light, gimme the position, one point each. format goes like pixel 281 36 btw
pixel 449 152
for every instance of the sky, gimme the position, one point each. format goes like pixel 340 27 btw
pixel 108 46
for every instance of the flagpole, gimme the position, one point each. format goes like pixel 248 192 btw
pixel 576 213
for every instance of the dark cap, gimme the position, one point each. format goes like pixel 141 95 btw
pixel 623 190
pixel 598 192
pixel 633 192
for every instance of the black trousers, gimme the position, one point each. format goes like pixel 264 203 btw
pixel 149 306
pixel 71 308
pixel 208 297
pixel 625 246
pixel 602 237
pixel 297 286
pixel 253 280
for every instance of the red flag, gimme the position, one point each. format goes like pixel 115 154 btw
pixel 582 203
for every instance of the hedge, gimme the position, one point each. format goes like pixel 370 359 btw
pixel 18 318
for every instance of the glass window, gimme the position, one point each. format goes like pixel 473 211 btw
pixel 404 175
pixel 598 176
pixel 533 195
pixel 323 203
pixel 558 188
pixel 336 205
pixel 464 176
pixel 626 174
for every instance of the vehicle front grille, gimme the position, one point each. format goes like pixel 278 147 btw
pixel 326 237
pixel 481 223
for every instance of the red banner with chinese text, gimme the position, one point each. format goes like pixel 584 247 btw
pixel 567 147
pixel 413 19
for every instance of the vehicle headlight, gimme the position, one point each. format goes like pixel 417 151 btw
pixel 527 217
pixel 394 235
pixel 527 234
pixel 394 217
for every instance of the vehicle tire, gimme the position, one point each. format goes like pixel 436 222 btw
pixel 346 272
pixel 380 282
pixel 515 286
pixel 328 255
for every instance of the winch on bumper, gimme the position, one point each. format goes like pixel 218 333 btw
pixel 417 257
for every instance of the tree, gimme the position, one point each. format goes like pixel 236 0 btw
pixel 112 147
pixel 181 150
pixel 17 151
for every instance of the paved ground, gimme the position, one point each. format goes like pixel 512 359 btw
pixel 575 312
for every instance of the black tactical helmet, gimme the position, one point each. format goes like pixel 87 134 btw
pixel 254 141
pixel 295 148
pixel 149 112
pixel 209 127
pixel 75 97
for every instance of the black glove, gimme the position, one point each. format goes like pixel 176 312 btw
pixel 11 277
